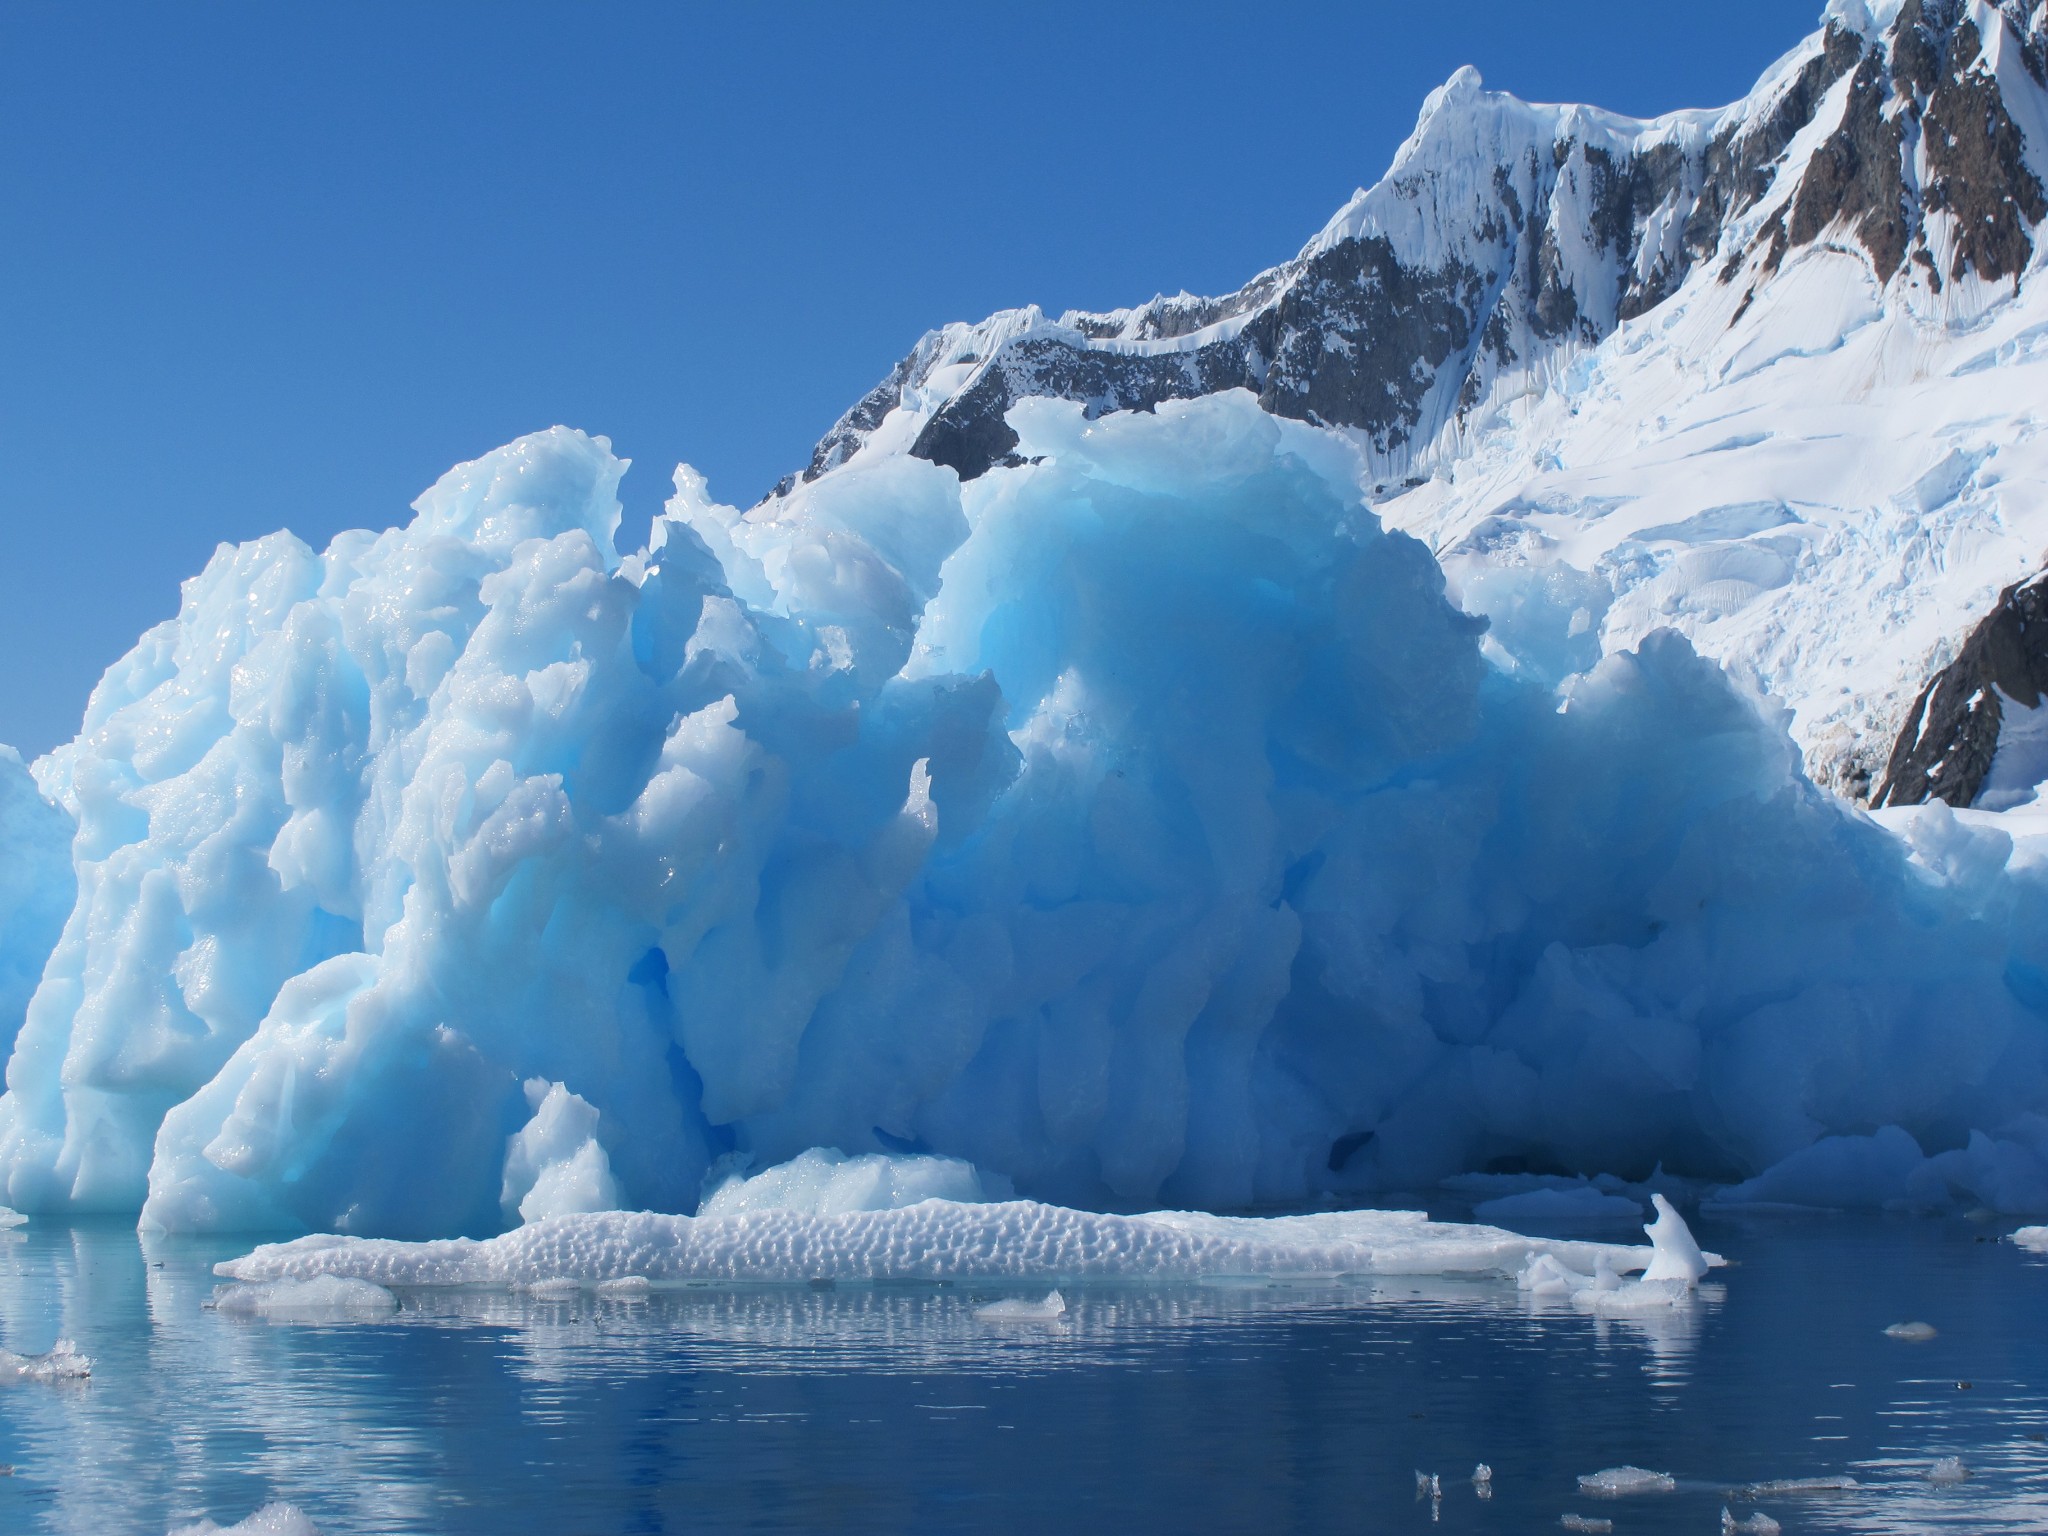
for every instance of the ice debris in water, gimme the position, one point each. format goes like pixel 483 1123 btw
pixel 278 1519
pixel 1780 1487
pixel 1586 1523
pixel 321 1297
pixel 1050 1310
pixel 2033 1239
pixel 1916 1333
pixel 11 1218
pixel 1758 1524
pixel 931 1239
pixel 1948 1469
pixel 840 820
pixel 1620 1482
pixel 1428 1486
pixel 1671 1276
pixel 62 1363
pixel 1482 1480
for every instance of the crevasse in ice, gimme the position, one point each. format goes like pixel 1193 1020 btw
pixel 1139 824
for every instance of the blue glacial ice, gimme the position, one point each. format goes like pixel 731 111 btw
pixel 1139 824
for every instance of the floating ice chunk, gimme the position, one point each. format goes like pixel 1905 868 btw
pixel 1947 1469
pixel 10 1218
pixel 1050 1310
pixel 2033 1239
pixel 826 1182
pixel 322 1297
pixel 1620 1482
pixel 1482 1476
pixel 1758 1524
pixel 626 1288
pixel 1544 1275
pixel 1428 1486
pixel 1779 1487
pixel 1674 1267
pixel 62 1363
pixel 1916 1333
pixel 271 1520
pixel 1586 1523
pixel 1678 1257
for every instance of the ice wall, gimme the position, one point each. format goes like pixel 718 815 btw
pixel 1139 824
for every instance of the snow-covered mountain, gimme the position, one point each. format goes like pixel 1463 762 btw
pixel 1767 374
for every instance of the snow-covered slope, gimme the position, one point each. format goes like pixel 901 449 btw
pixel 1765 374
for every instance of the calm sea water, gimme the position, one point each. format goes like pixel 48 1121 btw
pixel 892 1409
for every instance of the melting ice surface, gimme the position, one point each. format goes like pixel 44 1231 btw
pixel 897 1405
pixel 1139 824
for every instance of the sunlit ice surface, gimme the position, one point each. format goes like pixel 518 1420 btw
pixel 1225 1405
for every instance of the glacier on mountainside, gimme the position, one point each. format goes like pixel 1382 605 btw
pixel 1768 374
pixel 1138 823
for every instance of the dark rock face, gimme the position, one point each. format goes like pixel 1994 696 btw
pixel 1945 748
pixel 1924 169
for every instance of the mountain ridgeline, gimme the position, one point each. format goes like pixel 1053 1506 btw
pixel 1508 240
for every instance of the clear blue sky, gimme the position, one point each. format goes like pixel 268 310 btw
pixel 280 264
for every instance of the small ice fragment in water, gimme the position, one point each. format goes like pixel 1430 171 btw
pixel 13 1218
pixel 62 1363
pixel 1428 1485
pixel 2033 1239
pixel 625 1288
pixel 1616 1482
pixel 1585 1523
pixel 1779 1486
pixel 271 1520
pixel 323 1296
pixel 1049 1310
pixel 1482 1480
pixel 1758 1524
pixel 1913 1332
pixel 1947 1469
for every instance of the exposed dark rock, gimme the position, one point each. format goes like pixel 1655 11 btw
pixel 1945 748
pixel 1977 168
pixel 1856 177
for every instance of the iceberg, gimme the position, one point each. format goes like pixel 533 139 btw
pixel 930 1239
pixel 1138 823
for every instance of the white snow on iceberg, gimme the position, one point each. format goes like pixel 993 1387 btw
pixel 1140 824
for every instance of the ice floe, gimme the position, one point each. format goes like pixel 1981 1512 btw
pixel 62 1363
pixel 933 1240
pixel 321 1297
pixel 1622 1482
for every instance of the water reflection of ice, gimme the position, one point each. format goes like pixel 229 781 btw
pixel 408 1422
